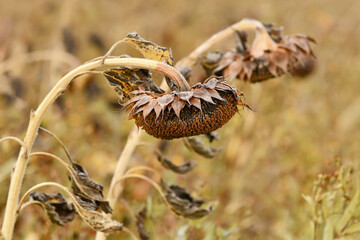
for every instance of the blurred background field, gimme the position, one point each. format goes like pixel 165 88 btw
pixel 270 157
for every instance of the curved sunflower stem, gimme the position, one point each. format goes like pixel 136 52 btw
pixel 37 116
pixel 59 141
pixel 243 25
pixel 131 234
pixel 147 179
pixel 12 138
pixel 36 56
pixel 143 168
pixel 115 188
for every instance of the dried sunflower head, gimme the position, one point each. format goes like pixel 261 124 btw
pixel 270 55
pixel 202 109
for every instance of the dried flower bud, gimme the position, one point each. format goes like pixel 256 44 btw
pixel 202 109
pixel 268 58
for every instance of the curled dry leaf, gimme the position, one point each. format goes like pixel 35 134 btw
pixel 270 55
pixel 182 203
pixel 140 224
pixel 210 61
pixel 88 192
pixel 149 49
pixel 204 108
pixel 56 207
pixel 199 147
pixel 152 51
pixel 181 169
pixel 60 212
pixel 124 81
pixel 97 220
pixel 212 136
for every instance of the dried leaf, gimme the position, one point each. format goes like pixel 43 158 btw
pixel 348 213
pixel 97 220
pixel 182 203
pixel 85 202
pixel 153 51
pixel 61 212
pixel 199 147
pixel 212 136
pixel 241 39
pixel 124 81
pixel 149 49
pixel 56 206
pixel 210 61
pixel 140 224
pixel 181 169
pixel 87 189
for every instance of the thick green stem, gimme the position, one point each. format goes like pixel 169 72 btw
pixel 37 116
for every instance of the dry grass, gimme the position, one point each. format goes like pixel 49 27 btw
pixel 274 156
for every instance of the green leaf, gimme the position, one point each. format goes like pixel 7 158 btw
pixel 352 228
pixel 329 227
pixel 349 212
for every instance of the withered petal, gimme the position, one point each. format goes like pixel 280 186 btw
pixel 142 101
pixel 288 46
pixel 222 86
pixel 185 95
pixel 165 100
pixel 281 58
pixel 134 99
pixel 211 83
pixel 272 69
pixel 203 94
pixel 177 105
pixel 149 107
pixel 234 69
pixel 158 110
pixel 302 43
pixel 214 94
pixel 196 102
pixel 248 70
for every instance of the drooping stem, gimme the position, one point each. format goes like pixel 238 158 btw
pixel 122 163
pixel 243 25
pixel 37 116
pixel 115 187
pixel 40 185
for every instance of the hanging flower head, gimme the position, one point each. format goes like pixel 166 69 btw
pixel 270 55
pixel 205 107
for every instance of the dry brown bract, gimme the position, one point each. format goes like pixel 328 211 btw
pixel 267 57
pixel 202 109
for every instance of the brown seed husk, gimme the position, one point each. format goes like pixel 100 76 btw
pixel 202 109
